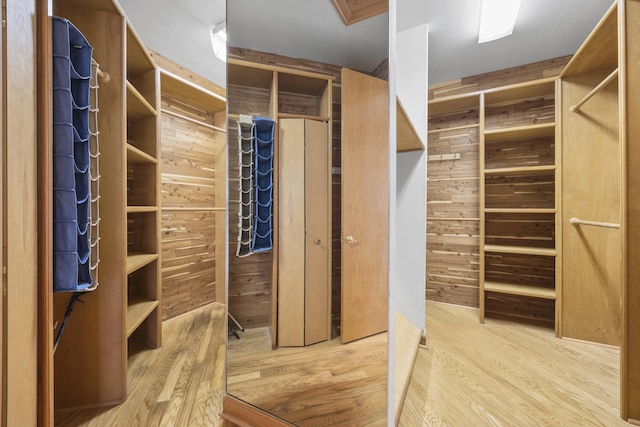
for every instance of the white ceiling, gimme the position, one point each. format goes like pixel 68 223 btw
pixel 312 29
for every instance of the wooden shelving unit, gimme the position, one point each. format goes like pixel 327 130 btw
pixel 282 93
pixel 143 194
pixel 518 202
pixel 91 359
pixel 600 126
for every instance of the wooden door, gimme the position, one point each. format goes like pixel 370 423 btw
pixel 304 232
pixel 365 205
pixel 318 232
pixel 291 224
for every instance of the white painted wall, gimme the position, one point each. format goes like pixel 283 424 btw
pixel 412 87
pixel 408 80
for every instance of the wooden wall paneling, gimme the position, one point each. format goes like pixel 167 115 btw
pixel 221 225
pixel 20 243
pixel 192 196
pixel 591 255
pixel 318 233
pixel 176 69
pixel 291 220
pixel 630 129
pixel 507 76
pixel 452 203
pixel 99 323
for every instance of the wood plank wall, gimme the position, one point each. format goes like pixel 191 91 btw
pixel 192 179
pixel 250 278
pixel 453 186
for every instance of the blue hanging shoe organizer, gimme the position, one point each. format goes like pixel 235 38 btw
pixel 263 137
pixel 72 59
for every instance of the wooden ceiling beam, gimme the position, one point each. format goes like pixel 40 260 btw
pixel 353 11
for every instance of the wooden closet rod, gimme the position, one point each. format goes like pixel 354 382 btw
pixel 196 121
pixel 588 96
pixel 576 221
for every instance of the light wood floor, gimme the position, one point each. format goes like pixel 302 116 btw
pixel 497 374
pixel 326 384
pixel 508 374
pixel 180 384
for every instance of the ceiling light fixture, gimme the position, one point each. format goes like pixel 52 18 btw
pixel 219 41
pixel 497 18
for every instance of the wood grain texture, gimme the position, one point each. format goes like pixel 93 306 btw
pixel 19 222
pixel 471 373
pixel 291 232
pixel 192 237
pixel 180 384
pixel 591 180
pixel 352 11
pixel 318 232
pixel 519 74
pixel 630 87
pixel 45 226
pixel 326 384
pixel 365 202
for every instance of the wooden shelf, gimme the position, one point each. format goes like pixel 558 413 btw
pixel 520 132
pixel 522 290
pixel 138 59
pixel 177 87
pixel 520 210
pixel 302 84
pixel 138 107
pixel 138 309
pixel 522 250
pixel 599 51
pixel 525 170
pixel 136 155
pixel 137 261
pixel 142 209
pixel 407 139
pixel 239 74
pixel 299 116
pixel 453 103
pixel 521 91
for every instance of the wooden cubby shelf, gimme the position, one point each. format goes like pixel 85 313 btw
pixel 520 132
pixel 506 95
pixel 142 209
pixel 522 250
pixel 519 289
pixel 138 107
pixel 520 210
pixel 523 170
pixel 136 261
pixel 453 103
pixel 136 155
pixel 138 310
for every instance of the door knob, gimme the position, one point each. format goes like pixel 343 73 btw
pixel 350 240
pixel 317 241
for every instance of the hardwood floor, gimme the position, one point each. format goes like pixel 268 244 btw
pixel 326 384
pixel 496 374
pixel 180 384
pixel 508 374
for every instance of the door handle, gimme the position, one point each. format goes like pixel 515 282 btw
pixel 350 240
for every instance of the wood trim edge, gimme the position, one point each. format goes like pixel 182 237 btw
pixel 245 415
